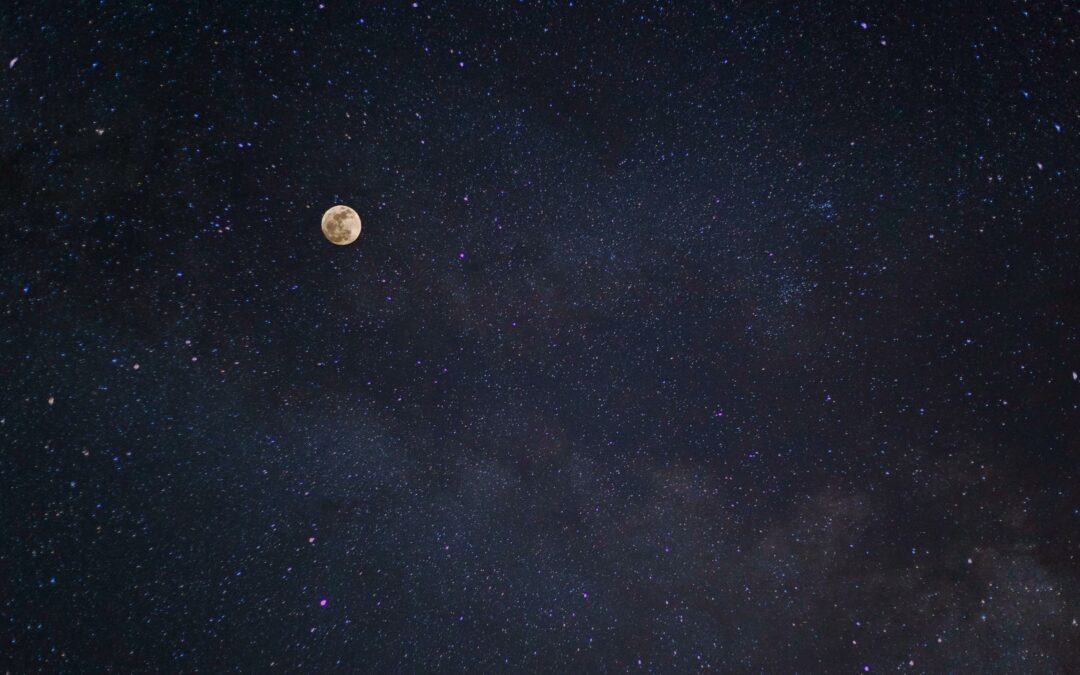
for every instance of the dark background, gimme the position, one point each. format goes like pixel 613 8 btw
pixel 740 337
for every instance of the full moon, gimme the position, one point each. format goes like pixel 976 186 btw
pixel 341 225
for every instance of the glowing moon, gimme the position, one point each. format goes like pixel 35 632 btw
pixel 341 225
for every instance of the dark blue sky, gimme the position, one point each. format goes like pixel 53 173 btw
pixel 739 338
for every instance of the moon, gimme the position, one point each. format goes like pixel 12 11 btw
pixel 341 225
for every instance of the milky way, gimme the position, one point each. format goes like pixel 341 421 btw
pixel 741 339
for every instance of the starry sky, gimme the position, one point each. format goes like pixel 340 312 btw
pixel 737 336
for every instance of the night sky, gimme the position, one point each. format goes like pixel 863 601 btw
pixel 741 338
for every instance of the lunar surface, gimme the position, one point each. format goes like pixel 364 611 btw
pixel 341 225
